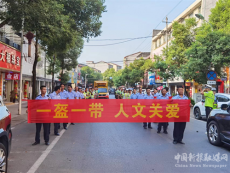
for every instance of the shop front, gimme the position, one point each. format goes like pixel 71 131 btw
pixel 10 59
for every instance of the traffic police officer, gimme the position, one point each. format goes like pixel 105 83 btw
pixel 167 92
pixel 71 94
pixel 46 126
pixel 165 125
pixel 147 96
pixel 209 99
pixel 56 95
pixel 179 127
pixel 155 93
pixel 64 95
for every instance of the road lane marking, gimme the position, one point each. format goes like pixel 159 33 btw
pixel 36 165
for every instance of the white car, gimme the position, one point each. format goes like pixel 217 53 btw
pixel 199 108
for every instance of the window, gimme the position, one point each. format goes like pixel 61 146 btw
pixel 110 66
pixel 222 98
pixel 102 90
pixel 160 42
pixel 155 44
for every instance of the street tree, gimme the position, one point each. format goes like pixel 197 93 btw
pixel 117 79
pixel 108 76
pixel 173 58
pixel 91 74
pixel 211 52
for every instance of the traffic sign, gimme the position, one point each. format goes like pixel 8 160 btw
pixel 211 82
pixel 211 75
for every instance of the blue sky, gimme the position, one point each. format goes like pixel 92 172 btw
pixel 130 19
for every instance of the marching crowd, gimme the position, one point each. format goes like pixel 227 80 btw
pixel 179 127
pixel 92 93
pixel 61 93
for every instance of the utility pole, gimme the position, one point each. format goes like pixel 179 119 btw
pixel 166 32
pixel 85 79
pixel 20 84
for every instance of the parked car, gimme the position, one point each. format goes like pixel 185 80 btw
pixel 199 108
pixel 218 126
pixel 5 135
pixel 112 91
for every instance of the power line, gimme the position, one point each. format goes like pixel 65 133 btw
pixel 158 24
pixel 119 42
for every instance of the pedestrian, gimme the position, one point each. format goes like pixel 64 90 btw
pixel 164 125
pixel 64 95
pixel 46 126
pixel 167 92
pixel 155 93
pixel 147 96
pixel 78 93
pixel 134 94
pixel 140 94
pixel 56 95
pixel 71 94
pixel 179 127
pixel 209 99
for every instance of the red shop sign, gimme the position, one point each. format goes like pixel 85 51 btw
pixel 12 76
pixel 9 58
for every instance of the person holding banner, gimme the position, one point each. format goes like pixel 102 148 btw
pixel 155 93
pixel 167 92
pixel 147 96
pixel 179 127
pixel 46 126
pixel 71 94
pixel 56 95
pixel 165 125
pixel 134 94
pixel 64 95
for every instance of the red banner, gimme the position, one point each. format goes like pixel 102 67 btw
pixel 12 76
pixel 96 110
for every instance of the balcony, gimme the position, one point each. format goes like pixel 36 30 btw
pixel 9 42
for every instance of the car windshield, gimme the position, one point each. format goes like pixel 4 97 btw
pixel 102 90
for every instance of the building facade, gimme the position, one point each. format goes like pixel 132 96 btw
pixel 159 43
pixel 131 58
pixel 103 66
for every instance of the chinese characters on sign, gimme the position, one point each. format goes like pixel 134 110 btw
pixel 12 76
pixel 9 58
pixel 109 111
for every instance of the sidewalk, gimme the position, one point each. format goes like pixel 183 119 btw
pixel 17 119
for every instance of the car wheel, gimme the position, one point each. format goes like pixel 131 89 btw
pixel 197 114
pixel 3 158
pixel 214 133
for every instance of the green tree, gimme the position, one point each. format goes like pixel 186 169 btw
pixel 220 16
pixel 69 59
pixel 117 79
pixel 91 74
pixel 172 60
pixel 51 20
pixel 207 53
pixel 108 76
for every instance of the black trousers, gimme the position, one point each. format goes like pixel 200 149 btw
pixel 145 124
pixel 165 126
pixel 208 110
pixel 178 131
pixel 56 127
pixel 46 128
pixel 65 125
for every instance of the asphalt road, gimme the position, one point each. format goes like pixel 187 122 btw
pixel 113 148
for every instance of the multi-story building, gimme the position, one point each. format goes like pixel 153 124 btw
pixel 103 66
pixel 131 58
pixel 10 46
pixel 159 41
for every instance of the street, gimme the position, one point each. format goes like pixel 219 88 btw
pixel 111 147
